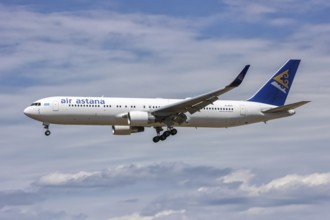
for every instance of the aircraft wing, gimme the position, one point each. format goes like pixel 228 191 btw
pixel 197 103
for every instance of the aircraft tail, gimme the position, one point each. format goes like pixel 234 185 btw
pixel 275 91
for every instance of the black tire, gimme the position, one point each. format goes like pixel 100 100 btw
pixel 167 133
pixel 156 139
pixel 162 137
pixel 47 133
pixel 174 131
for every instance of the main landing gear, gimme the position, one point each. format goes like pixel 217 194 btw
pixel 166 134
pixel 46 126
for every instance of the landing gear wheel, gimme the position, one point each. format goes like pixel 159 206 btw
pixel 174 131
pixel 156 139
pixel 162 137
pixel 46 126
pixel 167 133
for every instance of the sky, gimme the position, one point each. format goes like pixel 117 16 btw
pixel 168 49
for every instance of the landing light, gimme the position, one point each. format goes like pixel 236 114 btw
pixel 292 112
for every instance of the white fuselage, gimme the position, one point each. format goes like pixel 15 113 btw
pixel 113 111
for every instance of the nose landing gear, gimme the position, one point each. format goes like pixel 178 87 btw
pixel 46 126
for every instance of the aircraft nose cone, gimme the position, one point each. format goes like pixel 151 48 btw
pixel 27 111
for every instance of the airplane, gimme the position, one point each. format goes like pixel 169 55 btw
pixel 133 115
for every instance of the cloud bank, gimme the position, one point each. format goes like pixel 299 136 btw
pixel 179 191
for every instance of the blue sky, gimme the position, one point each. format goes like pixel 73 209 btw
pixel 170 49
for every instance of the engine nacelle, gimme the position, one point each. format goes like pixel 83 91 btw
pixel 138 118
pixel 126 130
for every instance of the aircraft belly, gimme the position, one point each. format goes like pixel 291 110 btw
pixel 84 119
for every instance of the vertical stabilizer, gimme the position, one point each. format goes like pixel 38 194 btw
pixel 275 91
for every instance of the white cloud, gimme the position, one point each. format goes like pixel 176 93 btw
pixel 102 50
pixel 179 174
pixel 26 213
pixel 178 191
pixel 238 190
pixel 238 176
pixel 55 179
pixel 202 184
pixel 293 181
pixel 258 10
pixel 286 184
pixel 167 214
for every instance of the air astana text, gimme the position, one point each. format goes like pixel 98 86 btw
pixel 83 101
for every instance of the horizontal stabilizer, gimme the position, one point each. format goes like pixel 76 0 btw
pixel 286 107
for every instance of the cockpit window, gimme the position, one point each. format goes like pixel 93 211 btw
pixel 36 104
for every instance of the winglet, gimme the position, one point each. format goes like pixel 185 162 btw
pixel 240 77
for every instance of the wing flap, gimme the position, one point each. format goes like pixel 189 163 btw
pixel 286 107
pixel 196 108
pixel 197 103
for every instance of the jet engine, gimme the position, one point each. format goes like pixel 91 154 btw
pixel 139 118
pixel 126 130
